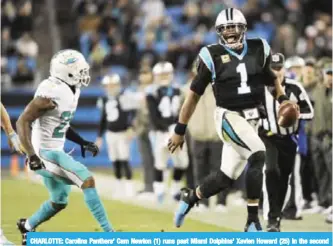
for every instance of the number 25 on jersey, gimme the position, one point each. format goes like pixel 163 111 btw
pixel 65 118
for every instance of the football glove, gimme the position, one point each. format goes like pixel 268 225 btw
pixel 91 147
pixel 15 143
pixel 35 163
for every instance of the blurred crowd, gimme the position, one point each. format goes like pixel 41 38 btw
pixel 130 34
pixel 19 50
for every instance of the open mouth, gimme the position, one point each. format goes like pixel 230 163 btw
pixel 231 38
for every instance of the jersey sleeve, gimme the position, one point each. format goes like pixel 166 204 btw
pixel 48 90
pixel 304 103
pixel 202 78
pixel 269 76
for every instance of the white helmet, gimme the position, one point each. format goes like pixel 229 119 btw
pixel 163 73
pixel 71 67
pixel 113 79
pixel 231 26
pixel 112 84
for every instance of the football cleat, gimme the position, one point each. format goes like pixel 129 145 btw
pixel 273 226
pixel 253 226
pixel 184 207
pixel 20 225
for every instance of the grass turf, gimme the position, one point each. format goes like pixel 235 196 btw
pixel 20 198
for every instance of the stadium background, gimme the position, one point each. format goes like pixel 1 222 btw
pixel 123 36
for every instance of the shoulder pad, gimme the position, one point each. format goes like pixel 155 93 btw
pixel 206 58
pixel 48 89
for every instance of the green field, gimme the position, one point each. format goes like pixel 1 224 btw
pixel 20 198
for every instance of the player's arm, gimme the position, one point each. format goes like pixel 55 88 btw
pixel 6 125
pixel 35 109
pixel 304 103
pixel 73 136
pixel 5 121
pixel 272 82
pixel 197 88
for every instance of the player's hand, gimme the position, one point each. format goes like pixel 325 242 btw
pixel 99 142
pixel 294 104
pixel 91 147
pixel 175 141
pixel 35 163
pixel 14 143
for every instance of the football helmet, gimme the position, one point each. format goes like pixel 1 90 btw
pixel 163 73
pixel 231 26
pixel 71 67
pixel 112 84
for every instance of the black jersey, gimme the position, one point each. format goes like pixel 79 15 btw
pixel 163 105
pixel 116 117
pixel 238 79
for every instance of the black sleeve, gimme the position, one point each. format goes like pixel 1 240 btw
pixel 202 78
pixel 73 136
pixel 269 76
pixel 155 115
pixel 304 103
pixel 103 122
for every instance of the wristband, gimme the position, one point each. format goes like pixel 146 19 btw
pixel 180 129
pixel 282 98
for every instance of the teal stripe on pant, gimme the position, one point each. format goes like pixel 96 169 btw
pixel 226 126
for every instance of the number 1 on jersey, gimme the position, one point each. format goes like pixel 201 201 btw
pixel 244 88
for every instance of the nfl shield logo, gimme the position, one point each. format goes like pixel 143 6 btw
pixel 225 58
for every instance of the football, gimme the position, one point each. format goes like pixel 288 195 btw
pixel 288 114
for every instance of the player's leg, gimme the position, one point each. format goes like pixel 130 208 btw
pixel 123 156
pixel 287 160
pixel 79 175
pixel 181 161
pixel 112 142
pixel 272 178
pixel 244 139
pixel 201 167
pixel 59 192
pixel 214 183
pixel 160 161
pixel 244 144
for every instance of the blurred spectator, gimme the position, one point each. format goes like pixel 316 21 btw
pixel 321 141
pixel 99 49
pixel 26 46
pixel 91 20
pixel 141 127
pixel 148 52
pixel 7 44
pixel 309 182
pixel 23 21
pixel 152 10
pixel 23 74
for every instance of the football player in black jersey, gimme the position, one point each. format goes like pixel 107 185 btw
pixel 163 99
pixel 238 70
pixel 116 120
